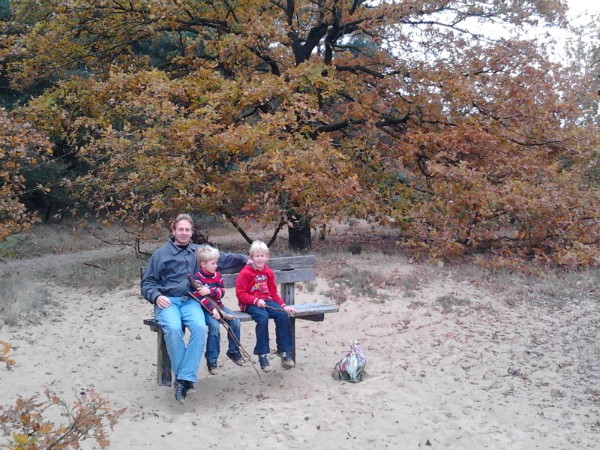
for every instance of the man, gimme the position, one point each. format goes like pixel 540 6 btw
pixel 165 284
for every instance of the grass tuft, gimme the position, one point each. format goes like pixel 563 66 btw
pixel 21 298
pixel 552 288
pixel 100 275
pixel 450 302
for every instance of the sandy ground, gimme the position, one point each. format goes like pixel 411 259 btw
pixel 448 367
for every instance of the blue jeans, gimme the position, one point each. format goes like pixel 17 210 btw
pixel 213 343
pixel 283 334
pixel 185 359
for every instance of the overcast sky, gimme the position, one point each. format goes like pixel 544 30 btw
pixel 578 7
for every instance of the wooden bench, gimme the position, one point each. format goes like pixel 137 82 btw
pixel 288 271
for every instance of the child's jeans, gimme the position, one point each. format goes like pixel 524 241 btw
pixel 283 334
pixel 213 342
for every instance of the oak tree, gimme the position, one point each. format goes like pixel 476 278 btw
pixel 416 113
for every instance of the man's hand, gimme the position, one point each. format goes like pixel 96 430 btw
pixel 216 314
pixel 163 302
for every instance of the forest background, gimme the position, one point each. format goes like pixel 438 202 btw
pixel 447 120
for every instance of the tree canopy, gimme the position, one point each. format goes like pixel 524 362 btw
pixel 20 146
pixel 414 113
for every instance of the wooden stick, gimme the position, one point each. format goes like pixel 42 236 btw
pixel 291 314
pixel 223 321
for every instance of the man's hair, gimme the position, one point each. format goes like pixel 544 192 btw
pixel 258 246
pixel 207 253
pixel 181 217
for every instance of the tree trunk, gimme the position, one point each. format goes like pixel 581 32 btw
pixel 299 233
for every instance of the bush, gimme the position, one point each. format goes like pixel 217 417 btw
pixel 4 358
pixel 29 428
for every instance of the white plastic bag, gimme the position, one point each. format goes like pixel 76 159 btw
pixel 351 367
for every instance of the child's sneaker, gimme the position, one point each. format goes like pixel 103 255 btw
pixel 264 363
pixel 236 358
pixel 286 360
pixel 213 368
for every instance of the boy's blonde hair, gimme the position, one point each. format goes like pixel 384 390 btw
pixel 258 246
pixel 207 253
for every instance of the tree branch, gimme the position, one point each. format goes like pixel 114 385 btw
pixel 235 224
pixel 282 222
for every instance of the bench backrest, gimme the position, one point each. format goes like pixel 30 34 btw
pixel 288 269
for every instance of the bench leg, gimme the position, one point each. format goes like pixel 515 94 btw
pixel 293 331
pixel 287 294
pixel 163 362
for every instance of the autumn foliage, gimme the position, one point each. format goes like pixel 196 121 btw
pixel 20 146
pixel 31 423
pixel 30 427
pixel 5 348
pixel 393 112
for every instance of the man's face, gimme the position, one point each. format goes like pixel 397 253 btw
pixel 182 232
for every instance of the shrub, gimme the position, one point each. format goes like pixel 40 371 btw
pixel 4 358
pixel 29 428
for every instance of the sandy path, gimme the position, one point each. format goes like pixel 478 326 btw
pixel 477 375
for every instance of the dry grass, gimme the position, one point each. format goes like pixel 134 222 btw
pixel 451 302
pixel 73 236
pixel 22 300
pixel 548 287
pixel 99 275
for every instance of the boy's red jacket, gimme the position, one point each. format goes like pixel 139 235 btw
pixel 252 284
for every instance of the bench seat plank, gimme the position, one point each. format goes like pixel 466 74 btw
pixel 303 311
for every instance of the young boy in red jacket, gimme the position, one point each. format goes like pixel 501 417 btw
pixel 257 295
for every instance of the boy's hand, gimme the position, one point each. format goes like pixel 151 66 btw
pixel 203 291
pixel 216 314
pixel 289 308
pixel 261 303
